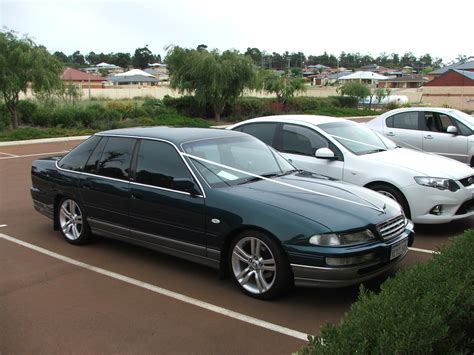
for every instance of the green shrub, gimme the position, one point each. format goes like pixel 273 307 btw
pixel 25 110
pixel 392 106
pixel 187 105
pixel 424 309
pixel 346 101
pixel 4 117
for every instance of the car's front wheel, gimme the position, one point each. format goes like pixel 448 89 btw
pixel 72 222
pixel 259 266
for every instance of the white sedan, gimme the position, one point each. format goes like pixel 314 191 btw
pixel 430 188
pixel 443 131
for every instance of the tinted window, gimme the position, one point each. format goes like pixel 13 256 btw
pixel 301 140
pixel 263 131
pixel 115 160
pixel 77 158
pixel 444 122
pixel 93 161
pixel 406 120
pixel 159 164
pixel 463 129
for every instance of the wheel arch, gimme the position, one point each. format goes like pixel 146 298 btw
pixel 225 249
pixel 381 182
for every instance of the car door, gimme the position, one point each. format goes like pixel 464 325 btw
pixel 166 206
pixel 404 129
pixel 105 185
pixel 437 140
pixel 299 143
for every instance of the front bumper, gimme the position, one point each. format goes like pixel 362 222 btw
pixel 455 205
pixel 326 276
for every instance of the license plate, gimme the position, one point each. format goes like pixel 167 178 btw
pixel 399 248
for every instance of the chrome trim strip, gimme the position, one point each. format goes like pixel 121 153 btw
pixel 165 189
pixel 203 195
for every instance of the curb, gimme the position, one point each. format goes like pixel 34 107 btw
pixel 43 140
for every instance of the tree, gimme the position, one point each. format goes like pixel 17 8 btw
pixel 77 58
pixel 214 78
pixel 142 57
pixel 23 63
pixel 61 57
pixel 283 86
pixel 354 89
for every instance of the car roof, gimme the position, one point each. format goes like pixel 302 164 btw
pixel 176 135
pixel 311 119
pixel 409 109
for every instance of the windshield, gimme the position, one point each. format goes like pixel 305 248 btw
pixel 467 118
pixel 357 138
pixel 239 159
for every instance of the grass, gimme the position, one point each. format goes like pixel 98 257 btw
pixel 342 112
pixel 24 133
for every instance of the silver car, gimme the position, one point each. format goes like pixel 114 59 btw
pixel 442 131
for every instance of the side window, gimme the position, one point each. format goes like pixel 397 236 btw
pixel 389 122
pixel 406 120
pixel 444 122
pixel 76 158
pixel 93 162
pixel 159 164
pixel 301 140
pixel 115 160
pixel 263 131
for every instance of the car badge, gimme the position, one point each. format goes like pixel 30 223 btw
pixel 215 221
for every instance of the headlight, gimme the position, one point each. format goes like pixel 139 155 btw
pixel 342 239
pixel 438 183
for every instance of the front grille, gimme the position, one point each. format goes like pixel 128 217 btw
pixel 391 228
pixel 467 181
pixel 466 207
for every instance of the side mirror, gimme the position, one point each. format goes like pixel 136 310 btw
pixel 185 185
pixel 325 153
pixel 452 130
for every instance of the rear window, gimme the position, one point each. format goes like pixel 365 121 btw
pixel 76 158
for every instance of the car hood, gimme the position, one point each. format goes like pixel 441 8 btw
pixel 343 207
pixel 420 163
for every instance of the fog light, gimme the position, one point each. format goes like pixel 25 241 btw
pixel 351 260
pixel 437 210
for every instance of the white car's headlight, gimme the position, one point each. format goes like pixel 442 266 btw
pixel 332 239
pixel 438 183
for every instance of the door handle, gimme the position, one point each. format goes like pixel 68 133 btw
pixel 290 160
pixel 390 134
pixel 429 136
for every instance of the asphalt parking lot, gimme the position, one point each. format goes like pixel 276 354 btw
pixel 112 297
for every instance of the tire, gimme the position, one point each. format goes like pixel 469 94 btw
pixel 259 266
pixel 72 222
pixel 394 194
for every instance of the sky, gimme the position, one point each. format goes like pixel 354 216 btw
pixel 443 30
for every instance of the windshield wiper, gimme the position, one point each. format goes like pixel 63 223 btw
pixel 289 172
pixel 375 151
pixel 257 178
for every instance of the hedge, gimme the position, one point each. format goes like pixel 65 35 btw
pixel 427 308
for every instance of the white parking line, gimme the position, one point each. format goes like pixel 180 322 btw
pixel 195 302
pixel 10 155
pixel 34 155
pixel 3 225
pixel 423 250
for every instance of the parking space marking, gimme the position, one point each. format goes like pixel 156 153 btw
pixel 10 155
pixel 3 225
pixel 162 291
pixel 33 155
pixel 423 250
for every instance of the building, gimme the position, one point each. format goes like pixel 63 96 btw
pixel 134 77
pixel 469 66
pixel 81 79
pixel 454 88
pixel 109 68
pixel 412 81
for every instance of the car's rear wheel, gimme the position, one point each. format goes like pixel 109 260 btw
pixel 259 266
pixel 394 194
pixel 72 222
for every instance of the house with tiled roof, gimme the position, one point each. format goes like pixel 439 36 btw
pixel 81 79
pixel 454 77
pixel 411 81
